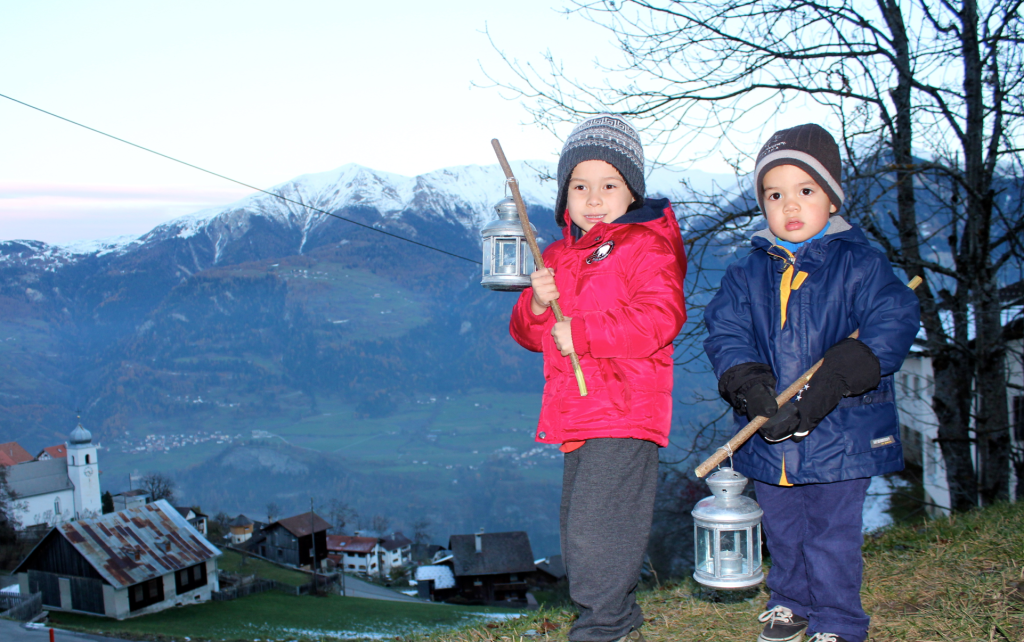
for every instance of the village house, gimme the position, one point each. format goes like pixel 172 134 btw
pixel 919 430
pixel 51 489
pixel 293 540
pixel 550 570
pixel 491 567
pixel 140 560
pixel 130 499
pixel 196 519
pixel 241 529
pixel 369 554
pixel 354 554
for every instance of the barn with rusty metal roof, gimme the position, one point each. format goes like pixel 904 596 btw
pixel 135 561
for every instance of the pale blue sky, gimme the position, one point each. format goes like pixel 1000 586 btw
pixel 259 91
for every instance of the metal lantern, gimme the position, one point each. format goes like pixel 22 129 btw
pixel 727 534
pixel 507 259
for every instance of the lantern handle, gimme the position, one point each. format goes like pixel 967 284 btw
pixel 755 424
pixel 538 260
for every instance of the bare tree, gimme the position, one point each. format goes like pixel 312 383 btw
pixel 380 523
pixel 273 512
pixel 159 486
pixel 340 514
pixel 940 76
pixel 8 517
pixel 421 530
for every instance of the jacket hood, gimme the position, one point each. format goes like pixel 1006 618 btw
pixel 655 214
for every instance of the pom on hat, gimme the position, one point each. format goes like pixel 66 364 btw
pixel 808 147
pixel 607 138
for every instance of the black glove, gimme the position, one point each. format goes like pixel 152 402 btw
pixel 848 368
pixel 750 389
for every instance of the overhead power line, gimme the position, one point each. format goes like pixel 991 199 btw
pixel 243 184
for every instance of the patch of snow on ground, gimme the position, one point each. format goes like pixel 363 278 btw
pixel 878 501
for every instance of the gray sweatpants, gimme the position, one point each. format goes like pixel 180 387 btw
pixel 608 488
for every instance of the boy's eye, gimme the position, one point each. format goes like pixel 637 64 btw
pixel 807 191
pixel 774 196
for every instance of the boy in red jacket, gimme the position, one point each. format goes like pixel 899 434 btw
pixel 618 276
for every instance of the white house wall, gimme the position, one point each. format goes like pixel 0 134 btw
pixel 40 508
pixel 914 391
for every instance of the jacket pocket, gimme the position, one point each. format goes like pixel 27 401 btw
pixel 871 429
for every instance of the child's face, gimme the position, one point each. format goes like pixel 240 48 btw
pixel 597 193
pixel 795 205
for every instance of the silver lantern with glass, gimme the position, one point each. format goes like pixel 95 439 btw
pixel 727 534
pixel 507 260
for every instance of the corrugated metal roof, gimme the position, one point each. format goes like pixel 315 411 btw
pixel 138 544
pixel 39 477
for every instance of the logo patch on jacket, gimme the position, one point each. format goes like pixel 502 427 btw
pixel 602 252
pixel 882 441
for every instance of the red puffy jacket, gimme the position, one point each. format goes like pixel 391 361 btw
pixel 622 285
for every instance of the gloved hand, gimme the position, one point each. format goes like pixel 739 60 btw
pixel 750 389
pixel 848 368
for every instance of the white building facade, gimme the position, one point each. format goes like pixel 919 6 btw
pixel 915 387
pixel 52 491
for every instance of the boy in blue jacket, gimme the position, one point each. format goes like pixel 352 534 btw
pixel 810 281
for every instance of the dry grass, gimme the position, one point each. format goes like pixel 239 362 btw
pixel 945 580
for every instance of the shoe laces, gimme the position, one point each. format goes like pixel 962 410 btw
pixel 781 614
pixel 823 637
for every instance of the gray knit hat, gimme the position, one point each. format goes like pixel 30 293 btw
pixel 810 148
pixel 603 137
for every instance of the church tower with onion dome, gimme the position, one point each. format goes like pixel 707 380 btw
pixel 84 473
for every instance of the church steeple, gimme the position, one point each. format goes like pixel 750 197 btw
pixel 83 472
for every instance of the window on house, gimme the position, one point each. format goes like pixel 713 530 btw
pixel 87 459
pixel 56 507
pixel 190 578
pixel 1018 419
pixel 146 593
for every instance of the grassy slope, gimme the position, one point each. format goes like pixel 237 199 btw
pixel 944 580
pixel 276 616
pixel 231 562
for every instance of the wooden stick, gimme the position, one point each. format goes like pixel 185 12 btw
pixel 537 259
pixel 748 431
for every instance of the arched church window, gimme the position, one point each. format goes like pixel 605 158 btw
pixel 87 459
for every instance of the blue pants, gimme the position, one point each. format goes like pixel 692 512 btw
pixel 814 537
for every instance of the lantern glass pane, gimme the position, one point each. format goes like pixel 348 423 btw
pixel 506 261
pixel 527 265
pixel 488 257
pixel 704 558
pixel 733 552
pixel 755 559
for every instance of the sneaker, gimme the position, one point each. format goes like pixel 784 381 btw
pixel 633 636
pixel 782 625
pixel 826 637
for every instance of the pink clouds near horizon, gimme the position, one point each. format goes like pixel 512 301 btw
pixel 57 213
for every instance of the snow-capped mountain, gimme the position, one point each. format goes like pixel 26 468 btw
pixel 463 197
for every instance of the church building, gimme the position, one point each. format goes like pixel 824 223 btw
pixel 51 489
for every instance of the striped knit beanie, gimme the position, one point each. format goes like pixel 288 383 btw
pixel 603 137
pixel 808 147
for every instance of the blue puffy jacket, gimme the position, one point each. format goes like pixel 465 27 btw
pixel 848 285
